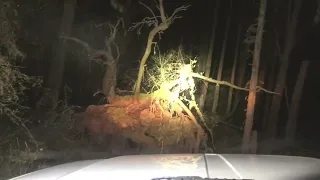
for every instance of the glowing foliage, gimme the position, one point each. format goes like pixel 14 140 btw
pixel 169 79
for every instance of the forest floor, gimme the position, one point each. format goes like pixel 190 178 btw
pixel 56 142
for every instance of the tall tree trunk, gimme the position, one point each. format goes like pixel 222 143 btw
pixel 51 95
pixel 109 81
pixel 282 73
pixel 204 87
pixel 221 62
pixel 246 140
pixel 243 60
pixel 272 66
pixel 295 102
pixel 269 85
pixel 234 68
pixel 298 89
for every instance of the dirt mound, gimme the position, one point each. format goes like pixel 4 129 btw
pixel 143 121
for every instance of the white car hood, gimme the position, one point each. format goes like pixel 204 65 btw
pixel 147 167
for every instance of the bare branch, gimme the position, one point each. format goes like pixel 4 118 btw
pixel 229 84
pixel 157 29
pixel 109 43
pixel 154 16
pixel 111 40
pixel 81 42
pixel 174 15
pixel 153 21
pixel 149 21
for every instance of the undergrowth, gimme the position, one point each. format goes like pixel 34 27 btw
pixel 19 155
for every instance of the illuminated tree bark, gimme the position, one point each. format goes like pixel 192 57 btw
pixel 162 27
pixel 246 139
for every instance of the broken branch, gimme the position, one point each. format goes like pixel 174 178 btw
pixel 229 84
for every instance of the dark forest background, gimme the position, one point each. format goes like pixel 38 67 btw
pixel 46 77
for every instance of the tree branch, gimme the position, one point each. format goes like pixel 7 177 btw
pixel 81 42
pixel 229 84
pixel 109 42
pixel 157 28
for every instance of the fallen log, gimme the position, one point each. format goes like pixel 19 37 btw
pixel 142 121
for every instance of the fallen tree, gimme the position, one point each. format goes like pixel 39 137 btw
pixel 164 118
pixel 158 119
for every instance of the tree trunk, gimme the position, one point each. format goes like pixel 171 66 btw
pixel 234 68
pixel 223 52
pixel 269 85
pixel 161 27
pixel 295 102
pixel 243 60
pixel 246 140
pixel 204 87
pixel 110 76
pixel 243 64
pixel 51 95
pixel 282 73
pixel 275 49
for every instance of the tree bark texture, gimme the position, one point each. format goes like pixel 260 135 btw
pixel 162 27
pixel 246 139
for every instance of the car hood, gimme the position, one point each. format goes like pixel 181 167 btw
pixel 223 166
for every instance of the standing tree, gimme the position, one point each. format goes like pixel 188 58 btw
pixel 221 62
pixel 107 56
pixel 246 140
pixel 282 73
pixel 234 68
pixel 295 102
pixel 298 89
pixel 50 97
pixel 204 87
